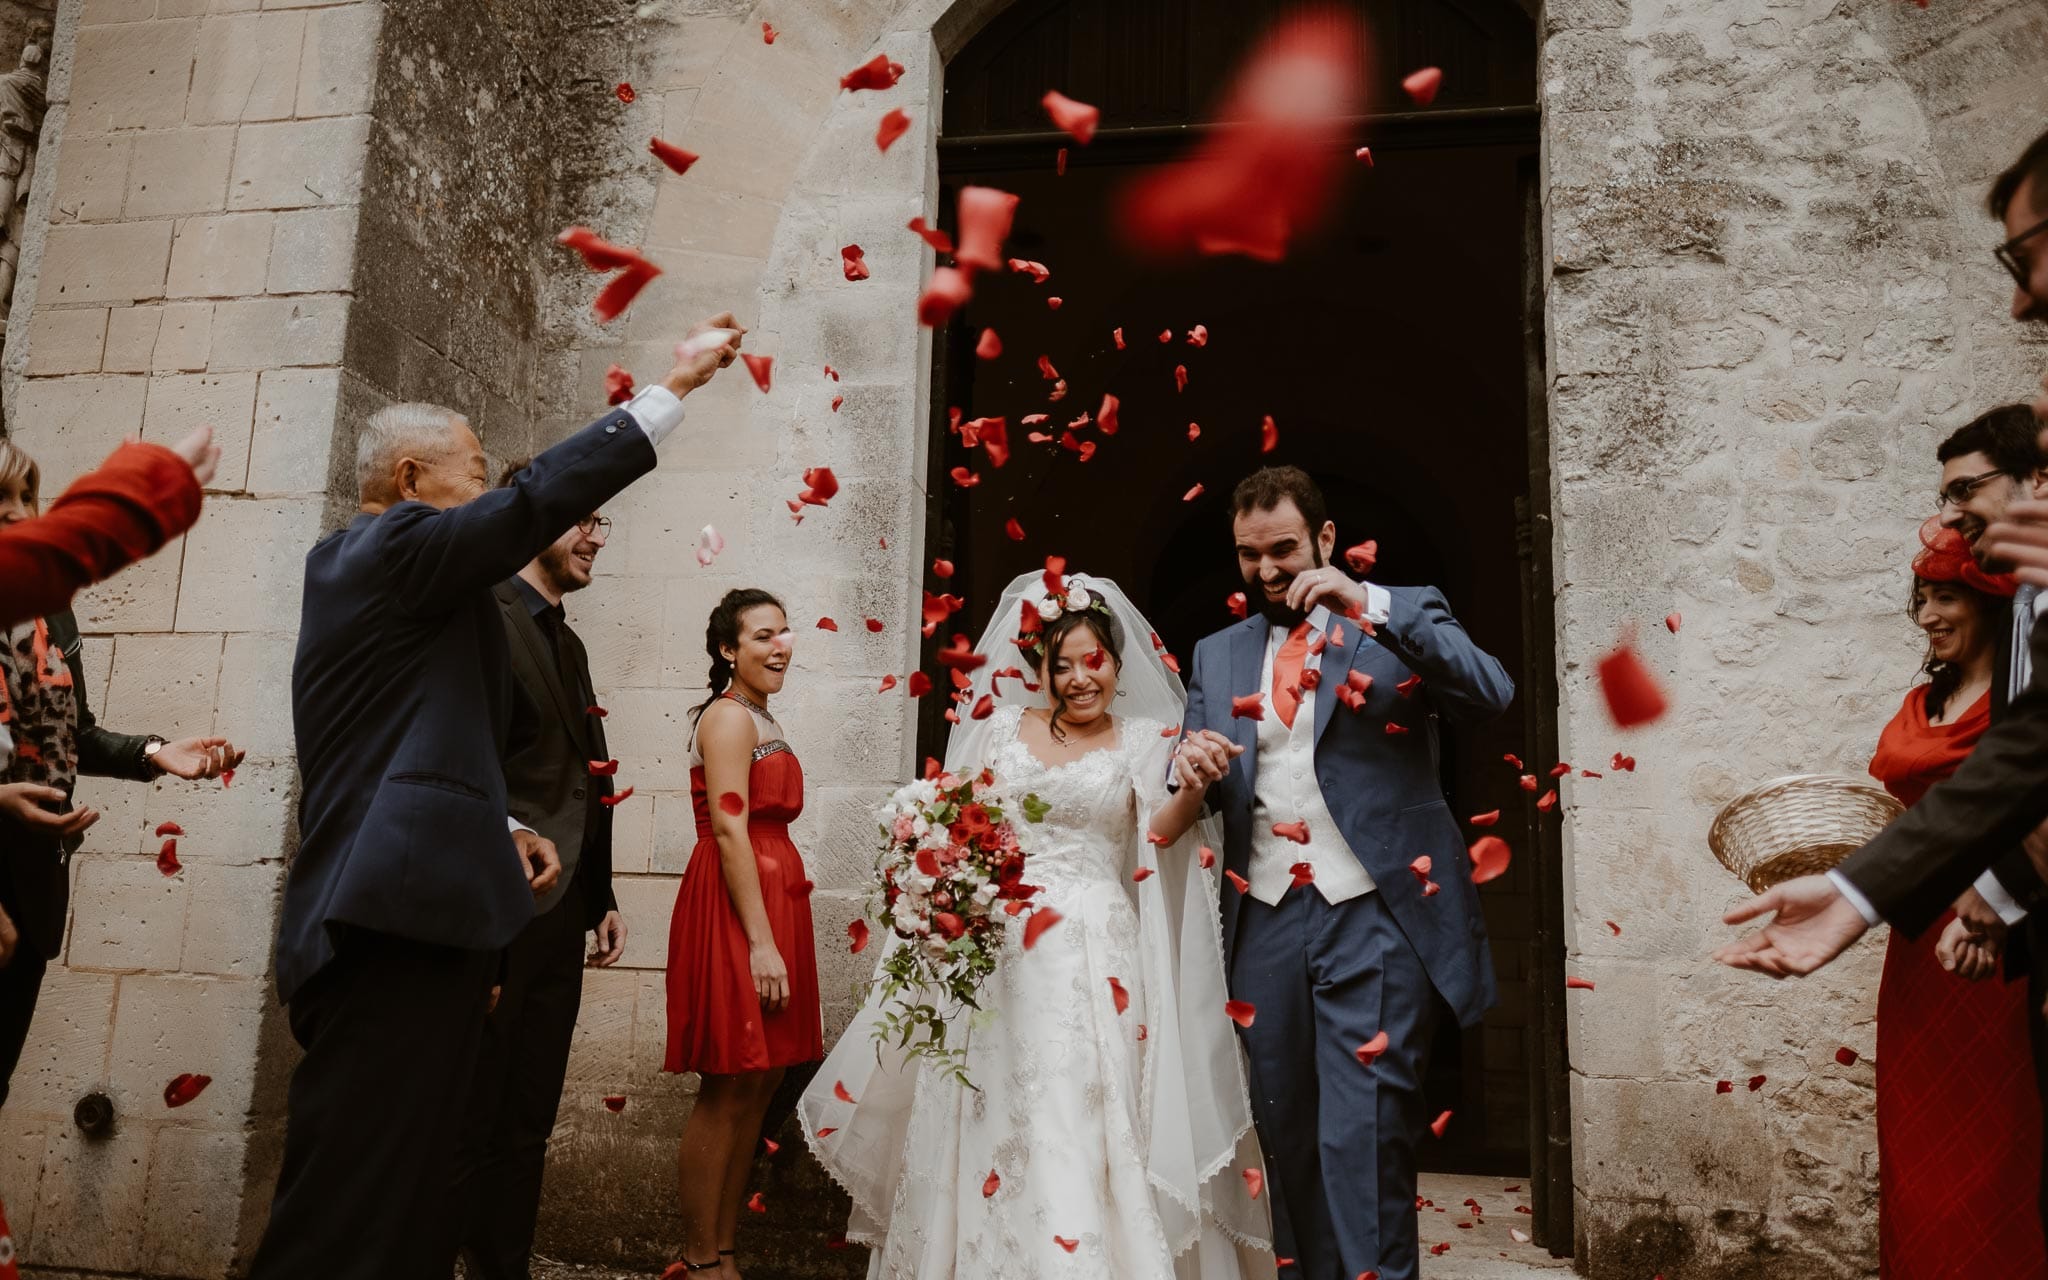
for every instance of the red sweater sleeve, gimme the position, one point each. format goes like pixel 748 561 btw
pixel 141 497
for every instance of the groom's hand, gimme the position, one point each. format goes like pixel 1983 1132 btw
pixel 693 367
pixel 1204 758
pixel 1328 585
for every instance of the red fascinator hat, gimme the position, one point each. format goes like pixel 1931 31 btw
pixel 1945 557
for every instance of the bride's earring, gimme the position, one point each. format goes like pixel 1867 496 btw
pixel 1122 692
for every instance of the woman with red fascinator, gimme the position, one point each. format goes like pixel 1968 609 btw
pixel 1958 1117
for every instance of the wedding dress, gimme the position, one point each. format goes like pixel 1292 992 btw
pixel 1107 1132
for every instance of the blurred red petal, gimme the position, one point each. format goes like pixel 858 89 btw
pixel 1296 831
pixel 624 91
pixel 839 1091
pixel 1192 494
pixel 762 367
pixel 964 478
pixel 857 930
pixel 1014 530
pixel 184 1087
pixel 1238 606
pixel 1302 873
pixel 1064 1243
pixel 876 73
pixel 1365 154
pixel 1269 435
pixel 598 253
pixel 920 684
pixel 948 290
pixel 1118 334
pixel 1486 819
pixel 1422 85
pixel 755 1204
pixel 624 287
pixel 990 346
pixel 1490 858
pixel 1119 996
pixel 1236 879
pixel 1671 621
pixel 827 624
pixel 1363 557
pixel 893 126
pixel 984 217
pixel 820 486
pixel 1141 875
pixel 853 262
pixel 937 239
pixel 616 798
pixel 1198 336
pixel 618 385
pixel 1242 1012
pixel 1250 707
pixel 1548 801
pixel 1441 1123
pixel 942 568
pixel 1846 1056
pixel 768 34
pixel 1207 857
pixel 1371 1049
pixel 1076 118
pixel 1180 377
pixel 1254 1181
pixel 1054 303
pixel 603 768
pixel 1042 918
pixel 1633 695
pixel 167 858
pixel 1577 984
pixel 672 155
pixel 888 683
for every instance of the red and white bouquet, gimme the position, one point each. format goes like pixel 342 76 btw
pixel 950 880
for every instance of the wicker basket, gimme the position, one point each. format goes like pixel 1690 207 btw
pixel 1798 825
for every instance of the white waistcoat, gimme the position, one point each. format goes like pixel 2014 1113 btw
pixel 1285 789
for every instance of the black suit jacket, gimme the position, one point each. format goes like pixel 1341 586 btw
pixel 401 693
pixel 1917 866
pixel 39 865
pixel 553 739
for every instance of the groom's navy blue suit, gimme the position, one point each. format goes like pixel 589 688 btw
pixel 1339 1138
pixel 406 883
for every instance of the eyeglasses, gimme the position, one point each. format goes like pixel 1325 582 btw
pixel 1957 491
pixel 2008 253
pixel 593 524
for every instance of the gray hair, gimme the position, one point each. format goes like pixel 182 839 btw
pixel 393 432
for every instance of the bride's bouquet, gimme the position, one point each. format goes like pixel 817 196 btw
pixel 949 882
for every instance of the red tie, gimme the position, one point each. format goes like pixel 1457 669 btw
pixel 1287 674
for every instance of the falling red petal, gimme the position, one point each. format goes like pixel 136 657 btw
pixel 1269 435
pixel 1207 857
pixel 167 858
pixel 1014 530
pixel 827 624
pixel 1238 606
pixel 1296 831
pixel 1120 997
pixel 1441 1123
pixel 1422 85
pixel 1180 377
pixel 1106 415
pixel 984 217
pixel 184 1087
pixel 598 253
pixel 672 155
pixel 1303 873
pixel 839 1091
pixel 1371 1049
pixel 1198 336
pixel 755 1204
pixel 1756 1082
pixel 1363 557
pixel 990 346
pixel 964 478
pixel 1042 918
pixel 1054 303
pixel 624 91
pixel 853 262
pixel 948 290
pixel 1528 782
pixel 876 73
pixel 1577 984
pixel 1254 1181
pixel 169 829
pixel 594 710
pixel 1141 875
pixel 1242 1012
pixel 618 385
pixel 603 768
pixel 1118 334
pixel 1846 1056
pixel 762 367
pixel 1237 880
pixel 1192 494
pixel 616 798
pixel 1671 621
pixel 1064 1243
pixel 1486 819
pixel 615 1103
pixel 937 239
pixel 893 126
pixel 888 683
pixel 624 287
pixel 1490 858
pixel 1077 119
pixel 1633 696
pixel 768 34
pixel 1194 432
pixel 984 708
pixel 1365 154
pixel 942 568
pixel 1548 801
pixel 858 931
pixel 820 486
pixel 1250 707
pixel 227 778
pixel 1038 271
pixel 1422 866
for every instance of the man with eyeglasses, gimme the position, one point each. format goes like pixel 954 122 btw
pixel 1910 872
pixel 555 738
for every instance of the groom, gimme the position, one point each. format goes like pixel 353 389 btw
pixel 1331 929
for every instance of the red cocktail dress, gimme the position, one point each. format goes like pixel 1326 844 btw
pixel 1958 1117
pixel 715 1021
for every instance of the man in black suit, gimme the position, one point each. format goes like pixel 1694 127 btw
pixel 410 876
pixel 557 736
pixel 1919 864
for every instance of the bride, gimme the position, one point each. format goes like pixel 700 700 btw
pixel 1108 1131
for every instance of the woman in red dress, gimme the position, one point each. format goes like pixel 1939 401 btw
pixel 742 972
pixel 1958 1118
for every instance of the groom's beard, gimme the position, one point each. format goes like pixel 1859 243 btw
pixel 1279 612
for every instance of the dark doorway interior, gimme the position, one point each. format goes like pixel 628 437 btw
pixel 1388 349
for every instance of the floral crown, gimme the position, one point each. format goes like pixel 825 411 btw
pixel 1060 594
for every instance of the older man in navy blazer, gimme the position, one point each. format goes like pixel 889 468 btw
pixel 1315 721
pixel 410 877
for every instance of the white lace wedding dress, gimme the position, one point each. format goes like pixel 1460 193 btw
pixel 1052 1167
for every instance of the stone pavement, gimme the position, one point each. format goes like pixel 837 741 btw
pixel 1482 1251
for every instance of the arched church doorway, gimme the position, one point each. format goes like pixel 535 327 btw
pixel 1392 351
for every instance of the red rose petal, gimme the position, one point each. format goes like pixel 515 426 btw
pixel 1242 1012
pixel 960 655
pixel 991 1184
pixel 1064 1243
pixel 1490 858
pixel 1296 831
pixel 1421 867
pixel 1054 303
pixel 964 478
pixel 1106 415
pixel 1250 707
pixel 1578 984
pixel 1237 880
pixel 893 126
pixel 1014 530
pixel 169 829
pixel 984 708
pixel 1118 334
pixel 167 858
pixel 839 1091
pixel 615 1103
pixel 1622 763
pixel 1194 432
pixel 1363 557
pixel 1207 857
pixel 755 1204
pixel 1514 761
pixel 1141 875
pixel 1254 1181
pixel 876 73
pixel 1198 336
pixel 1042 918
pixel 731 803
pixel 1441 1123
pixel 1371 1049
pixel 624 287
pixel 1180 377
pixel 618 385
pixel 616 798
pixel 1633 696
pixel 820 486
pixel 1422 85
pixel 184 1087
pixel 1303 873
pixel 1269 435
pixel 768 34
pixel 853 262
pixel 1486 819
pixel 920 684
pixel 1237 604
pixel 1846 1056
pixel 858 931
pixel 1077 119
pixel 227 778
pixel 937 239
pixel 1756 1082
pixel 1120 997
pixel 1547 802
pixel 888 683
pixel 624 91
pixel 603 768
pixel 762 367
pixel 1528 783
pixel 675 157
pixel 827 624
pixel 1408 687
pixel 990 346
pixel 598 253
pixel 1364 154
pixel 985 215
pixel 594 710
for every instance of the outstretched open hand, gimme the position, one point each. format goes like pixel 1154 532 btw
pixel 1814 924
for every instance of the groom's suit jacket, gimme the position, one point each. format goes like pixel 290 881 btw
pixel 1383 789
pixel 401 693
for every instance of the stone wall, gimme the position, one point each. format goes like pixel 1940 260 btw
pixel 1770 297
pixel 188 263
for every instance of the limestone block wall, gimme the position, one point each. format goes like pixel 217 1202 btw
pixel 1770 296
pixel 189 262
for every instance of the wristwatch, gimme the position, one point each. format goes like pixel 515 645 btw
pixel 150 747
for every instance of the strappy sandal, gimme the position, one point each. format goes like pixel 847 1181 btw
pixel 701 1266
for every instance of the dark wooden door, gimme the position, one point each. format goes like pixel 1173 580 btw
pixel 1389 349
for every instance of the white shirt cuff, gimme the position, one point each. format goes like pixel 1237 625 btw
pixel 1377 603
pixel 513 824
pixel 656 409
pixel 1998 899
pixel 1856 898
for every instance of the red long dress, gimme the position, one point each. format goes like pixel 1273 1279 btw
pixel 1958 1118
pixel 715 1022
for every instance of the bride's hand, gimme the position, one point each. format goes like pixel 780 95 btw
pixel 1204 758
pixel 771 976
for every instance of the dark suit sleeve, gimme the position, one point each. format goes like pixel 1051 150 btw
pixel 1918 865
pixel 1464 682
pixel 101 752
pixel 438 560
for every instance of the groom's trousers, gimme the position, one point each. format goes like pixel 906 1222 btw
pixel 1339 1137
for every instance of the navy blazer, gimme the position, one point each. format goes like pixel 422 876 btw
pixel 1383 789
pixel 401 691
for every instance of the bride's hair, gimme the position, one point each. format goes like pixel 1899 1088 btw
pixel 723 631
pixel 1107 632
